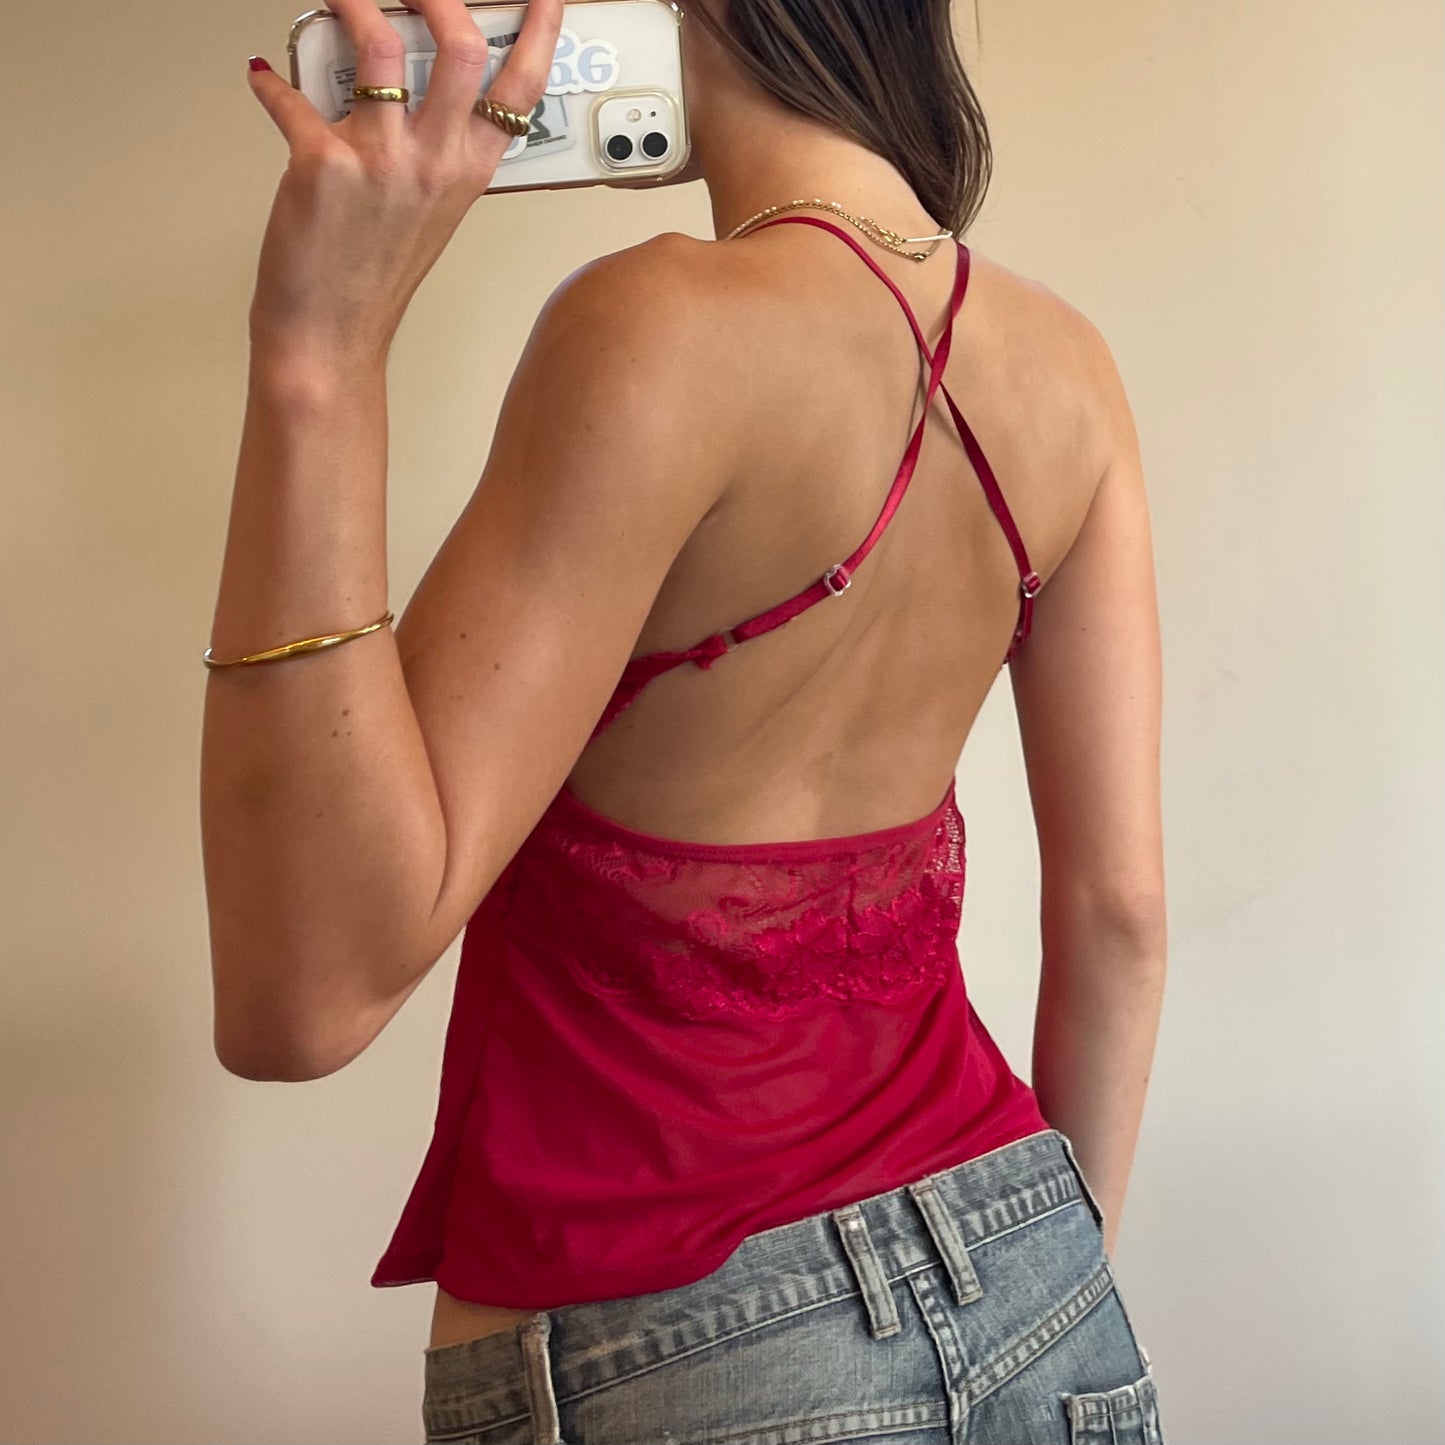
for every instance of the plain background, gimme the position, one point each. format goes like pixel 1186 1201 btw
pixel 1245 196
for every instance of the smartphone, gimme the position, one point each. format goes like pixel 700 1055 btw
pixel 613 111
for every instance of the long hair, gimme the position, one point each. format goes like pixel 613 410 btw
pixel 886 73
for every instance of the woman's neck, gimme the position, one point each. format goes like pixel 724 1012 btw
pixel 754 153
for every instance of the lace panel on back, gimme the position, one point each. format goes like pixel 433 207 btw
pixel 700 931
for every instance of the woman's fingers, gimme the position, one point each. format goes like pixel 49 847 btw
pixel 296 118
pixel 380 60
pixel 458 74
pixel 523 78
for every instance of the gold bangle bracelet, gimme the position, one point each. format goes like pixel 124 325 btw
pixel 306 644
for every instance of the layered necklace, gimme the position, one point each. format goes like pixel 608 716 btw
pixel 881 235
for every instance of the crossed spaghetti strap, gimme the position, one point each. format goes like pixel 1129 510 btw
pixel 639 671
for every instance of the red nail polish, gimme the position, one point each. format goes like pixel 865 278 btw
pixel 256 63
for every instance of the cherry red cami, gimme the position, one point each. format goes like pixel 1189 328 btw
pixel 659 1047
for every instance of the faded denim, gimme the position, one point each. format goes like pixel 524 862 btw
pixel 972 1307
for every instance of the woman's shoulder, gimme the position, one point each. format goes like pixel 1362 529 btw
pixel 661 293
pixel 1033 305
pixel 672 303
pixel 1053 350
pixel 665 280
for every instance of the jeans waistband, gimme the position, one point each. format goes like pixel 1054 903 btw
pixel 857 1248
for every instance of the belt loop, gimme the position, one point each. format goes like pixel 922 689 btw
pixel 877 1295
pixel 943 1228
pixel 537 1366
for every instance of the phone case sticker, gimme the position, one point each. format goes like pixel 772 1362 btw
pixel 550 131
pixel 580 66
pixel 342 76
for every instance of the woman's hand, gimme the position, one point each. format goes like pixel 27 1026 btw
pixel 367 204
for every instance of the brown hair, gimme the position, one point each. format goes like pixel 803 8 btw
pixel 884 72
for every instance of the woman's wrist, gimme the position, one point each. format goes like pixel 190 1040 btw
pixel 310 366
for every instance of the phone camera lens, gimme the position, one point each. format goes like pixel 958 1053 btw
pixel 619 147
pixel 654 144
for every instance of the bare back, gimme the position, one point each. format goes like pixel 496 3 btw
pixel 852 717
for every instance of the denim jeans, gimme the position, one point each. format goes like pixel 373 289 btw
pixel 975 1306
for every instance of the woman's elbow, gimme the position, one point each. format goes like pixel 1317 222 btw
pixel 277 1051
pixel 1131 919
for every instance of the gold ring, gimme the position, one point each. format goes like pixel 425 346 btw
pixel 381 92
pixel 499 115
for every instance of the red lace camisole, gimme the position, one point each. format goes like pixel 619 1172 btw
pixel 659 1047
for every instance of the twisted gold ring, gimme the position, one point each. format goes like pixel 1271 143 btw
pixel 509 120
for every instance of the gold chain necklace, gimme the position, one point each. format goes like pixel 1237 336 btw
pixel 890 240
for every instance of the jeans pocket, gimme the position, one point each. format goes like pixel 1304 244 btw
pixel 1128 1415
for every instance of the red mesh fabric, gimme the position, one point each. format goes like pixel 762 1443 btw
pixel 698 933
pixel 659 1047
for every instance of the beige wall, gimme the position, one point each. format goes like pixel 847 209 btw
pixel 1246 198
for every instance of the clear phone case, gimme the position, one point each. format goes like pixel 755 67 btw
pixel 613 110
